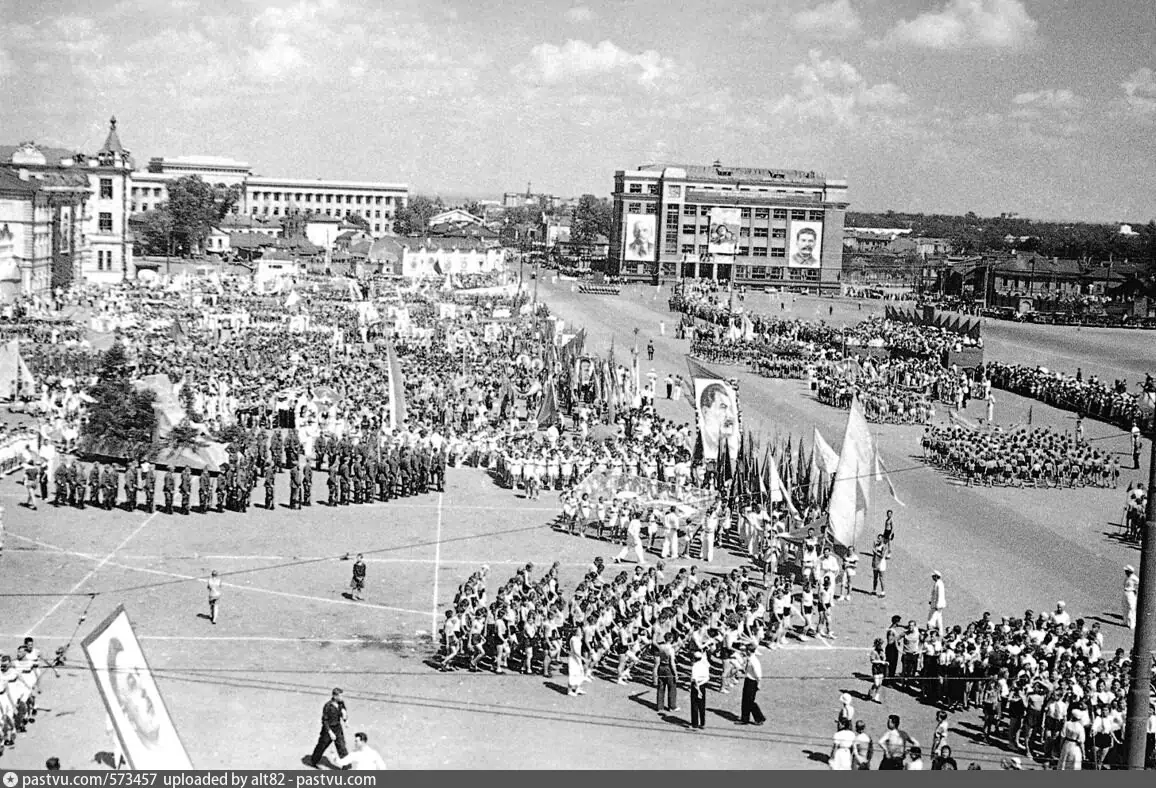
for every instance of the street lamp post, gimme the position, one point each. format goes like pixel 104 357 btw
pixel 1140 692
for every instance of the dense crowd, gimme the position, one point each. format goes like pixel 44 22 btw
pixel 1022 457
pixel 1042 681
pixel 1115 403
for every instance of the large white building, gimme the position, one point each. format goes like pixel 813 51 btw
pixel 267 197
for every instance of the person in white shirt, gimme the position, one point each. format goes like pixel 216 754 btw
pixel 670 534
pixel 754 675
pixel 937 603
pixel 363 758
pixel 633 540
pixel 699 678
pixel 1061 616
pixel 1131 589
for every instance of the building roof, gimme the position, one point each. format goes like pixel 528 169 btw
pixel 249 240
pixel 112 141
pixel 449 243
pixel 699 197
pixel 241 220
pixel 12 183
pixel 729 174
pixel 52 156
pixel 388 248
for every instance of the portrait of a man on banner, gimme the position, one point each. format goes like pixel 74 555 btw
pixel 718 418
pixel 142 724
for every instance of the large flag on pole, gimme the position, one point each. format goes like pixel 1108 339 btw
pixel 697 370
pixel 396 390
pixel 548 412
pixel 850 494
pixel 825 456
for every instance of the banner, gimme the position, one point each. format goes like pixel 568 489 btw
pixel 639 246
pixel 851 492
pixel 724 230
pixel 806 244
pixel 396 390
pixel 691 501
pixel 718 421
pixel 142 724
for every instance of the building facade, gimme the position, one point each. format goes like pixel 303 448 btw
pixel 751 226
pixel 42 230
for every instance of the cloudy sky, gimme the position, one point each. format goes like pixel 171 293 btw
pixel 1046 108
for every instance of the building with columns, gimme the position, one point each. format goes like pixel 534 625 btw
pixel 750 226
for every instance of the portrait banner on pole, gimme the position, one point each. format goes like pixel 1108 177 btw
pixel 716 406
pixel 139 717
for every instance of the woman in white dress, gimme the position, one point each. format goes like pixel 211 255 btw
pixel 574 670
pixel 1072 745
pixel 842 747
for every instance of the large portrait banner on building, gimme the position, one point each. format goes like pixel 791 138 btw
pixel 639 245
pixel 724 230
pixel 716 406
pixel 143 726
pixel 805 246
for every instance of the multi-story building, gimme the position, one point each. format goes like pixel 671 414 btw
pixel 42 230
pixel 751 226
pixel 103 251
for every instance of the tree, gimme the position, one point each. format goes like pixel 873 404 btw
pixel 413 218
pixel 153 231
pixel 359 220
pixel 592 217
pixel 121 419
pixel 475 208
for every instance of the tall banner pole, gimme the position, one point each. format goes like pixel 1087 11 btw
pixel 1140 691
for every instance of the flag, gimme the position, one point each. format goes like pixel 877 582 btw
pixel 881 475
pixel 775 488
pixel 437 266
pixel 697 370
pixel 292 300
pixel 396 389
pixel 850 493
pixel 739 494
pixel 825 456
pixel 723 466
pixel 178 331
pixel 548 412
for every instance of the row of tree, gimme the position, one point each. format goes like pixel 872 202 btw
pixel 971 234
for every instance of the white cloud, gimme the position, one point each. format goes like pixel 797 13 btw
pixel 835 20
pixel 1140 91
pixel 358 69
pixel 833 91
pixel 275 61
pixel 993 24
pixel 1057 99
pixel 580 13
pixel 550 64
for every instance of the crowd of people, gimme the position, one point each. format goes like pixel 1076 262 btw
pixel 1115 404
pixel 1023 457
pixel 19 680
pixel 1042 682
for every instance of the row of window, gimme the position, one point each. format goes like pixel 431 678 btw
pixel 309 197
pixel 638 207
pixel 276 211
pixel 636 188
pixel 742 251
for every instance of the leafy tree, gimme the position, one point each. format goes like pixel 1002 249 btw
pixel 592 217
pixel 475 208
pixel 153 231
pixel 121 420
pixel 359 220
pixel 413 219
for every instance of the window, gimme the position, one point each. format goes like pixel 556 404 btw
pixel 688 229
pixel 156 192
pixel 704 229
pixel 687 248
pixel 762 213
pixel 377 228
pixel 775 273
pixel 798 216
pixel 742 272
pixel 634 207
pixel 652 188
pixel 635 188
pixel 689 210
pixel 815 216
pixel 377 200
pixel 105 222
pixel 358 199
pixel 780 213
pixel 779 232
pixel 106 188
pixel 703 249
pixel 758 272
pixel 760 232
pixel 276 211
pixel 651 207
pixel 746 213
pixel 778 251
pixel 744 232
pixel 674 192
pixel 744 251
pixel 377 214
pixel 760 251
pixel 277 196
pixel 328 199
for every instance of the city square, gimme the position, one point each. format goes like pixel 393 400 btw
pixel 799 413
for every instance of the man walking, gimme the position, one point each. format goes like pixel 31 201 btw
pixel 666 684
pixel 937 603
pixel 750 706
pixel 333 717
pixel 214 586
pixel 895 744
pixel 1131 589
pixel 699 678
pixel 879 555
pixel 650 350
pixel 357 584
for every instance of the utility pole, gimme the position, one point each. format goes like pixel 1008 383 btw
pixel 1140 692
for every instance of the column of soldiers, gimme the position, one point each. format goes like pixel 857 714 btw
pixel 357 473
